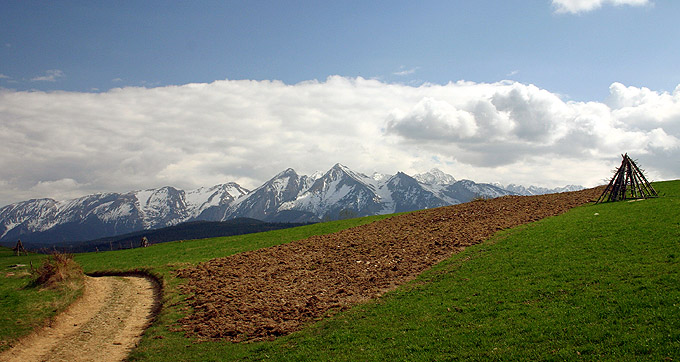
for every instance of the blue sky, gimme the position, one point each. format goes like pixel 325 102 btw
pixel 118 96
pixel 102 45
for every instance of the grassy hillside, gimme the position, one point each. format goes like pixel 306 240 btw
pixel 598 283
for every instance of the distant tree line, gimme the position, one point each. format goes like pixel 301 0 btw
pixel 184 231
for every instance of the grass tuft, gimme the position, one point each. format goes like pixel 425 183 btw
pixel 59 270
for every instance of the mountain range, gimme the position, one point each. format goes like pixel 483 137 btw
pixel 287 197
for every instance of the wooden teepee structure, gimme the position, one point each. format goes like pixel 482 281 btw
pixel 19 248
pixel 628 183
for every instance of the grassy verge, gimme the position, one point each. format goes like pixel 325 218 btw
pixel 26 304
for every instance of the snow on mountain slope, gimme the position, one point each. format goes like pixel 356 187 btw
pixel 338 189
pixel 264 202
pixel 380 176
pixel 108 214
pixel 467 190
pixel 435 181
pixel 408 194
pixel 537 190
pixel 110 211
pixel 161 207
pixel 201 199
pixel 434 177
pixel 26 215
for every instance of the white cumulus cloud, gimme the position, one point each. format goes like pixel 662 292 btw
pixel 433 119
pixel 66 144
pixel 581 6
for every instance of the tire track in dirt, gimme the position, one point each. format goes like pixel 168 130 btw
pixel 274 291
pixel 105 324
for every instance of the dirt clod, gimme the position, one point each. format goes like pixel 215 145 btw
pixel 271 292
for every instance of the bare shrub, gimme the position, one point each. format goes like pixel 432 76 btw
pixel 57 270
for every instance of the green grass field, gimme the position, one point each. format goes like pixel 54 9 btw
pixel 601 282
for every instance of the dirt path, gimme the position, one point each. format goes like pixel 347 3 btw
pixel 105 324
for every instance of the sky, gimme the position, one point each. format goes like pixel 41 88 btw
pixel 118 96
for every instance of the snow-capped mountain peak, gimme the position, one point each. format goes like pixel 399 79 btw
pixel 316 175
pixel 339 170
pixel 264 202
pixel 435 177
pixel 200 199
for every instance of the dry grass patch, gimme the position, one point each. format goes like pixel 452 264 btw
pixel 58 271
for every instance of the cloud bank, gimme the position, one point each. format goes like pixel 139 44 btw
pixel 581 6
pixel 67 144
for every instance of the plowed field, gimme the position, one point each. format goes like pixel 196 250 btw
pixel 274 291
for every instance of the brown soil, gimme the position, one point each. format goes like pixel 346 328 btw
pixel 105 324
pixel 274 291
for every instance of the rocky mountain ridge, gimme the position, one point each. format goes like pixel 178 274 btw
pixel 287 197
